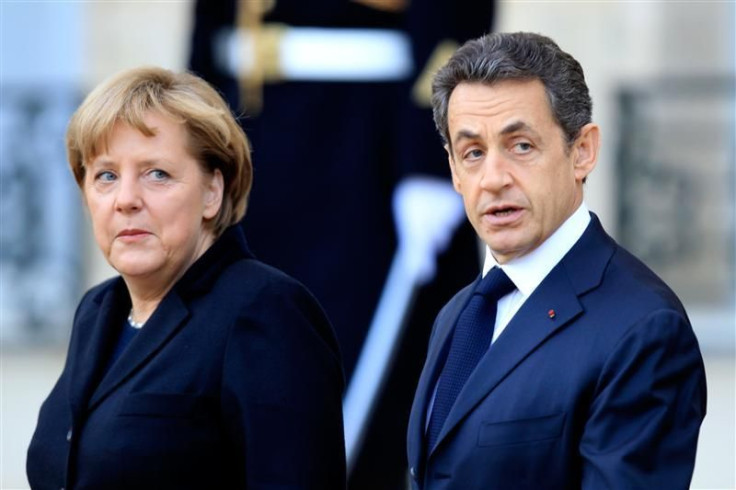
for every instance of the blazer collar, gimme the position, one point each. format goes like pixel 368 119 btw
pixel 93 336
pixel 200 277
pixel 163 325
pixel 97 326
pixel 578 272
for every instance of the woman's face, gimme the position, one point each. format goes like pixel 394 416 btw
pixel 149 199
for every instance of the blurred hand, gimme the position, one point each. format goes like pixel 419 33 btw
pixel 427 210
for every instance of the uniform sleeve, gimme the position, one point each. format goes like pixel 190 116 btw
pixel 282 395
pixel 209 20
pixel 643 425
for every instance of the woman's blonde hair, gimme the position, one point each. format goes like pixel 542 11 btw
pixel 216 140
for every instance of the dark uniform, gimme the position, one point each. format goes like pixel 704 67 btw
pixel 328 153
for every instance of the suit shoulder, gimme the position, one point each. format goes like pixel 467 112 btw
pixel 263 281
pixel 270 298
pixel 640 284
pixel 631 300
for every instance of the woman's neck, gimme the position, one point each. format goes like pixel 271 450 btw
pixel 146 292
pixel 142 307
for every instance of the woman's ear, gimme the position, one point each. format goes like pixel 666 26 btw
pixel 213 194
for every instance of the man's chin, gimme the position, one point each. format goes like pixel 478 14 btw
pixel 504 250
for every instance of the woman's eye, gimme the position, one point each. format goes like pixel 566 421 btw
pixel 105 176
pixel 158 174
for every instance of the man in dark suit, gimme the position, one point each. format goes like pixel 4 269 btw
pixel 568 364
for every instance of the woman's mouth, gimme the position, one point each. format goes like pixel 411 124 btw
pixel 132 235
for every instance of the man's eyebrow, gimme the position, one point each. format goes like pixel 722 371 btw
pixel 465 134
pixel 516 126
pixel 521 126
pixel 508 129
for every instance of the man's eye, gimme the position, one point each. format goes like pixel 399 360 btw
pixel 473 154
pixel 522 147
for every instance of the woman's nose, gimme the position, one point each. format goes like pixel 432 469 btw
pixel 128 196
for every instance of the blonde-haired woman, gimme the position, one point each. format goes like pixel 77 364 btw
pixel 198 367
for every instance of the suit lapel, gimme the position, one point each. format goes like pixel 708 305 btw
pixel 579 271
pixel 439 345
pixel 428 378
pixel 528 329
pixel 165 322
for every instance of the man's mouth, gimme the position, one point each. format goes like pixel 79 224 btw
pixel 502 215
pixel 503 211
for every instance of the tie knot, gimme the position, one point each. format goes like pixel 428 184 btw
pixel 495 285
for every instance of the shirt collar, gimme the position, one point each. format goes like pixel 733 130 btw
pixel 529 270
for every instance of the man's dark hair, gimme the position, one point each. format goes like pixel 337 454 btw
pixel 517 56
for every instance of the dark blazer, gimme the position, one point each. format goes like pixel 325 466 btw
pixel 596 383
pixel 234 382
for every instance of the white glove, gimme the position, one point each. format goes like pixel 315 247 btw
pixel 427 210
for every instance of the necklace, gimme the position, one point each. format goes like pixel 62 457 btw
pixel 133 323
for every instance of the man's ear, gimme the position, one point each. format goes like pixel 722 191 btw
pixel 585 150
pixel 213 194
pixel 451 162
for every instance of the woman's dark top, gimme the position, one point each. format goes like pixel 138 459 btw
pixel 234 382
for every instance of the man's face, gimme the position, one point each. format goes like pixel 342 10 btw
pixel 509 160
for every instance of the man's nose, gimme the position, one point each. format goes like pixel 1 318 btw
pixel 496 172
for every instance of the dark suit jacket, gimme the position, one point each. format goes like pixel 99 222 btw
pixel 234 382
pixel 607 393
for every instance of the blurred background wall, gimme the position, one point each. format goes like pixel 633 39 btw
pixel 662 77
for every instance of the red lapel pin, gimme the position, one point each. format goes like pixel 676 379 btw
pixel 551 313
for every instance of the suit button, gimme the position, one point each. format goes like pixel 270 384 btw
pixel 413 472
pixel 69 436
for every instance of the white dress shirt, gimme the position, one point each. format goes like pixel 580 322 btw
pixel 528 271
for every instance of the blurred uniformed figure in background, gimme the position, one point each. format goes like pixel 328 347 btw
pixel 351 176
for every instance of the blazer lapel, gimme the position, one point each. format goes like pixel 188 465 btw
pixel 93 341
pixel 165 322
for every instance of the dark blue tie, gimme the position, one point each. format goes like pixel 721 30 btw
pixel 470 340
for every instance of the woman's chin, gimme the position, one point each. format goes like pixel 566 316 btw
pixel 138 267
